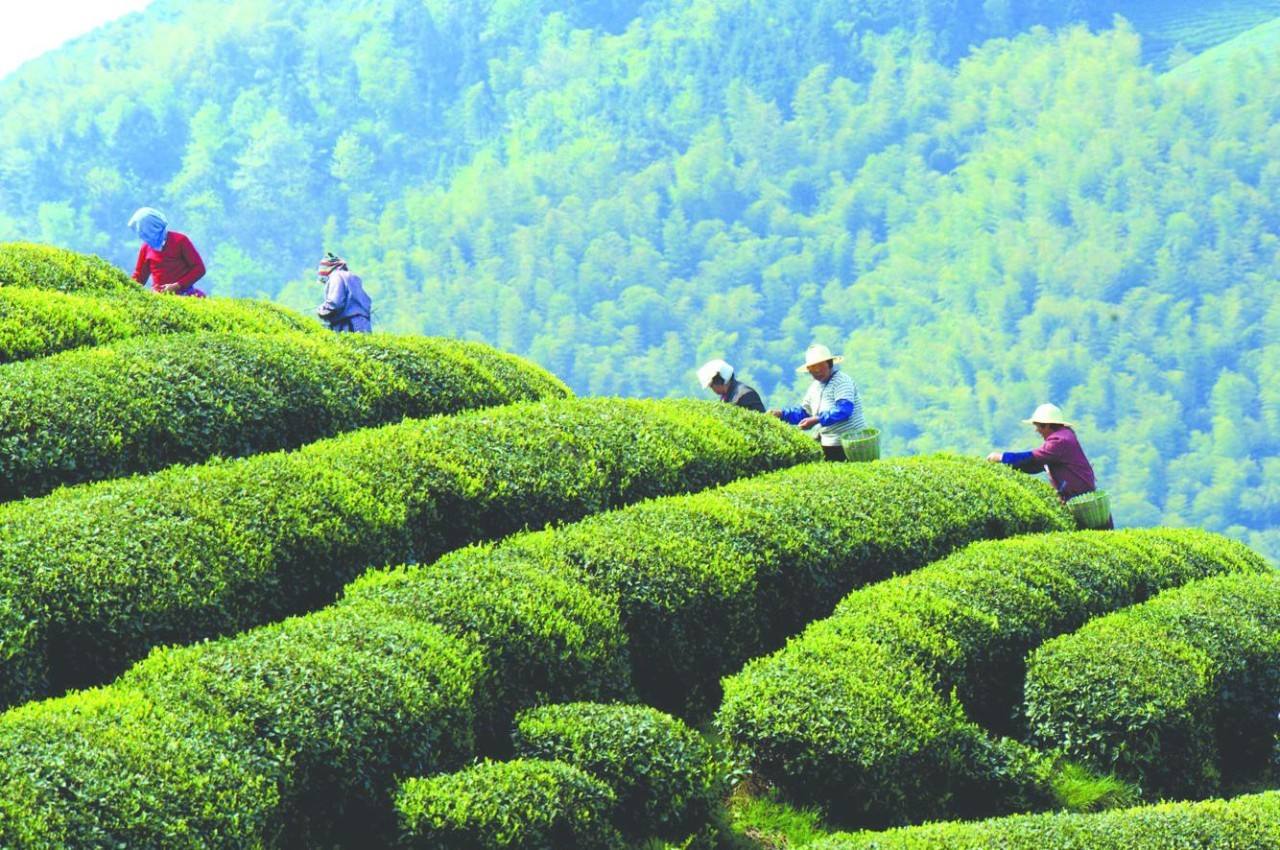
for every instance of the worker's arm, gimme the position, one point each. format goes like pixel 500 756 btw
pixel 195 266
pixel 842 410
pixel 1024 461
pixel 141 270
pixel 793 415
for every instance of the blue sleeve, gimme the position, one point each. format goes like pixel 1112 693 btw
pixel 793 415
pixel 1023 461
pixel 842 411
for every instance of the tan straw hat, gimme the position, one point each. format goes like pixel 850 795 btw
pixel 817 353
pixel 1048 414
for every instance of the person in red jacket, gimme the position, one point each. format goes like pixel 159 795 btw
pixel 166 257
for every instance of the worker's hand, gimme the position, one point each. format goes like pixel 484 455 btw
pixel 170 287
pixel 807 423
pixel 995 457
pixel 776 414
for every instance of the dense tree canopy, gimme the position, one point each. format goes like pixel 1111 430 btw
pixel 982 214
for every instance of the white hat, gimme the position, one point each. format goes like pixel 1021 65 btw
pixel 1048 414
pixel 708 371
pixel 817 353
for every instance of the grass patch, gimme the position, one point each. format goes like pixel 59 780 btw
pixel 760 821
pixel 1078 789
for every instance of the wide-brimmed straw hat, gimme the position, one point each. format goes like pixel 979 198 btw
pixel 817 353
pixel 1048 414
pixel 708 371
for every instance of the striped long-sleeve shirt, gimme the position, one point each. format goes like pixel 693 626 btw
pixel 837 405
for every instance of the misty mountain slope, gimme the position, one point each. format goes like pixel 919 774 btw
pixel 1176 31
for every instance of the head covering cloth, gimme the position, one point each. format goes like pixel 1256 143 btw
pixel 330 263
pixel 151 226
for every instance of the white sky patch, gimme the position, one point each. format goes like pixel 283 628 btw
pixel 29 28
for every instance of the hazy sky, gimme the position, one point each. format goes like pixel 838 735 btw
pixel 31 27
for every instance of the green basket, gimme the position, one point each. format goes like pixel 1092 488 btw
pixel 1091 510
pixel 864 445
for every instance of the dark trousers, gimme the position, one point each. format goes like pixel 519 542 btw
pixel 835 453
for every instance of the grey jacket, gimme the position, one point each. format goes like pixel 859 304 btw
pixel 346 305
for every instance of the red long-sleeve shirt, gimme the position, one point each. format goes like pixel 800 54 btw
pixel 178 262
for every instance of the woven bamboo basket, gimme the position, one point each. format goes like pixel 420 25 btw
pixel 1091 510
pixel 864 445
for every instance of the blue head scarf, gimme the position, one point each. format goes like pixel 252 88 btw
pixel 151 226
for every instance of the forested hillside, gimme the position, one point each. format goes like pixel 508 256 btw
pixel 980 213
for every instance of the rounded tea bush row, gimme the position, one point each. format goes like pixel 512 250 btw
pixel 37 323
pixel 659 779
pixel 1245 823
pixel 705 582
pixel 454 647
pixel 1178 694
pixel 870 713
pixel 143 404
pixel 92 577
pixel 524 804
pixel 667 781
pixel 26 264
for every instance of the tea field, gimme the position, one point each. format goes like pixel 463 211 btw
pixel 262 587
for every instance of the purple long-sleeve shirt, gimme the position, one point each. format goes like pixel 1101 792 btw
pixel 1064 460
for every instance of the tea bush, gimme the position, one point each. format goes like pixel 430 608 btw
pixel 542 633
pixel 95 576
pixel 1245 823
pixel 707 582
pixel 1178 694
pixel 535 634
pixel 667 780
pixel 25 264
pixel 144 404
pixel 339 702
pixel 108 768
pixel 865 713
pixel 527 804
pixel 37 323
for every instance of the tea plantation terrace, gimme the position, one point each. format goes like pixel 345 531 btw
pixel 906 639
pixel 302 727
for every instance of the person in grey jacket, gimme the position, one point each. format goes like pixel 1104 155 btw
pixel 832 403
pixel 717 376
pixel 346 307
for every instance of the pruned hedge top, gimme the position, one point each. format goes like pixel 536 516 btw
pixel 869 712
pixel 143 404
pixel 101 752
pixel 45 267
pixel 340 700
pixel 1245 823
pixel 37 323
pixel 667 779
pixel 324 712
pixel 525 804
pixel 91 577
pixel 335 705
pixel 705 582
pixel 1178 694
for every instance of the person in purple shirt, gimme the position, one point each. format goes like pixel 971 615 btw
pixel 1060 455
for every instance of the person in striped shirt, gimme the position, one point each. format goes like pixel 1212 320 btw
pixel 831 407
